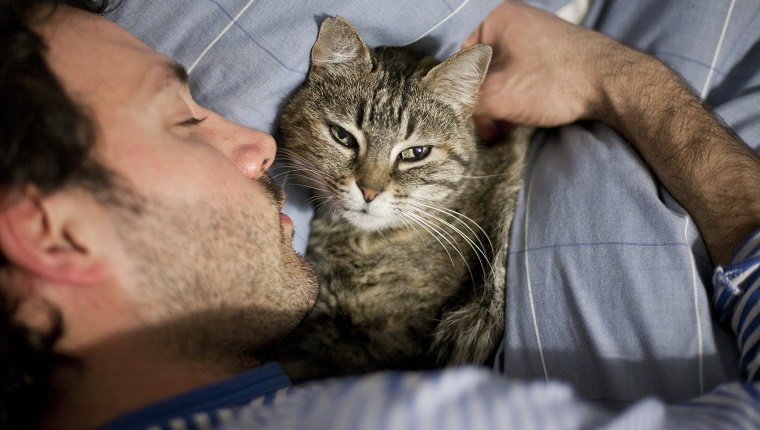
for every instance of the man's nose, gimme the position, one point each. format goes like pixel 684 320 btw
pixel 251 150
pixel 255 156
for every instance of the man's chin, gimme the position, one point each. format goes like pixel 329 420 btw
pixel 302 276
pixel 310 280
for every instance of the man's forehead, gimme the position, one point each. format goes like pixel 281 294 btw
pixel 98 60
pixel 68 24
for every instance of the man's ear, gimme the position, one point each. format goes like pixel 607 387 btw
pixel 45 236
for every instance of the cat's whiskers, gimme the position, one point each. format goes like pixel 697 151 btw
pixel 309 179
pixel 395 214
pixel 299 162
pixel 303 172
pixel 312 187
pixel 281 174
pixel 459 216
pixel 413 221
pixel 446 227
pixel 442 233
pixel 497 175
pixel 296 171
pixel 320 199
pixel 325 199
pixel 290 155
pixel 321 191
pixel 314 180
pixel 303 182
pixel 478 250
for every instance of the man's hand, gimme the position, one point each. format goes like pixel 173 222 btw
pixel 543 69
pixel 546 72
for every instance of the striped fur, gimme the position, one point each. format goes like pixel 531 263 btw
pixel 411 252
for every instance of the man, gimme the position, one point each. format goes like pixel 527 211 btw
pixel 130 304
pixel 145 318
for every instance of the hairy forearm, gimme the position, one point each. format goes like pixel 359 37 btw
pixel 703 164
pixel 547 72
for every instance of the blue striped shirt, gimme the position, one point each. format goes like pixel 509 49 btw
pixel 736 296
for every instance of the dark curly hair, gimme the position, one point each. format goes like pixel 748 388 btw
pixel 45 140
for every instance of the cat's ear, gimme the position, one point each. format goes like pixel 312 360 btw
pixel 457 79
pixel 339 45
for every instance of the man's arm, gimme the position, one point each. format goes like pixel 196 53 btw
pixel 547 73
pixel 703 164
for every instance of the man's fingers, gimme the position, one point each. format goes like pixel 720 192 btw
pixel 473 38
pixel 486 128
pixel 487 110
pixel 493 92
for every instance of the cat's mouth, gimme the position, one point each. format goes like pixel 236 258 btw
pixel 367 213
pixel 364 219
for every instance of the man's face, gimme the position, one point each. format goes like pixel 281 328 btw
pixel 208 252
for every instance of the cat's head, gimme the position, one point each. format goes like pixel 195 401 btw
pixel 382 135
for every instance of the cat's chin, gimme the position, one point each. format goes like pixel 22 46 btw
pixel 366 222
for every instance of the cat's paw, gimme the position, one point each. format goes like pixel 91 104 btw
pixel 470 334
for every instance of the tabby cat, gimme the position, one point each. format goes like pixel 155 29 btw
pixel 410 234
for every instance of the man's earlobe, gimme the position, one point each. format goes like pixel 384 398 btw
pixel 36 235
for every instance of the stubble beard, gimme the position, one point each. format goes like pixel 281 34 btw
pixel 219 283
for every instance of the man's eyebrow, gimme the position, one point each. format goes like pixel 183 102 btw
pixel 162 76
pixel 179 72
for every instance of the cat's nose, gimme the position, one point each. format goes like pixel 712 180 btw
pixel 369 193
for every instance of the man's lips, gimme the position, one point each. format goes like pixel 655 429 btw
pixel 288 230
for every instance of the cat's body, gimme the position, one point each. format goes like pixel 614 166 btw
pixel 410 237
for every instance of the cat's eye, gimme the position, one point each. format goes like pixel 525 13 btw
pixel 415 153
pixel 342 136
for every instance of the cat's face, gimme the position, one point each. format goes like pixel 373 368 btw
pixel 380 136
